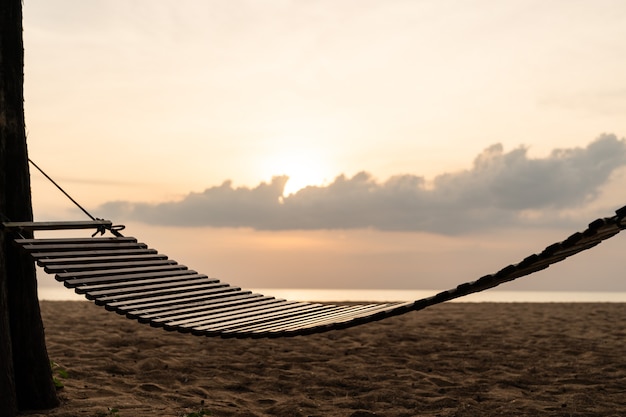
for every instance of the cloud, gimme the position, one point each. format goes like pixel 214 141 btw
pixel 501 188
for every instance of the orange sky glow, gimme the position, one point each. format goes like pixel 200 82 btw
pixel 427 143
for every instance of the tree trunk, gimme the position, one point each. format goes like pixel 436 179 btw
pixel 8 401
pixel 25 374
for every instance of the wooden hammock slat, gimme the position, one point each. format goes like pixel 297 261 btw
pixel 377 313
pixel 142 286
pixel 203 311
pixel 327 316
pixel 127 304
pixel 142 293
pixel 127 277
pixel 242 319
pixel 199 316
pixel 80 246
pixel 91 253
pixel 71 267
pixel 374 309
pixel 129 284
pixel 119 271
pixel 242 314
pixel 204 304
pixel 75 241
pixel 264 328
pixel 268 315
pixel 89 259
pixel 159 305
pixel 102 279
pixel 222 314
pixel 305 321
pixel 323 311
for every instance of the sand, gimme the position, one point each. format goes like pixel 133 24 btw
pixel 456 359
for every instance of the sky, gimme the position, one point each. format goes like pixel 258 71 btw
pixel 336 144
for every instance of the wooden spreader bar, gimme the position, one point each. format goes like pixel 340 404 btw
pixel 127 277
pixel 75 225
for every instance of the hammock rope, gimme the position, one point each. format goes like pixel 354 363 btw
pixel 115 230
pixel 126 276
pixel 61 189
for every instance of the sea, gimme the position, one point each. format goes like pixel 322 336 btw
pixel 383 295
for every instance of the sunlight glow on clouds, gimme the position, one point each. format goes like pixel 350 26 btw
pixel 304 167
pixel 384 86
pixel 143 108
pixel 502 189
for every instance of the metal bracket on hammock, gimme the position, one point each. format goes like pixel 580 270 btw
pixel 101 226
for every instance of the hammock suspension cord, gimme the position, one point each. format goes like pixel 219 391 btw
pixel 114 229
pixel 62 190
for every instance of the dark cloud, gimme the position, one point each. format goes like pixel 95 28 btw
pixel 498 189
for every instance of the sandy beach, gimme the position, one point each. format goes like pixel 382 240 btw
pixel 458 359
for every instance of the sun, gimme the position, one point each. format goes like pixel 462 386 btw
pixel 304 167
pixel 301 175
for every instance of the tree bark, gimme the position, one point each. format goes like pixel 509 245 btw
pixel 8 400
pixel 25 374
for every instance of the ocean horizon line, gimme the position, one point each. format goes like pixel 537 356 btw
pixel 391 295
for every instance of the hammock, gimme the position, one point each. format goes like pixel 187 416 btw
pixel 126 276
